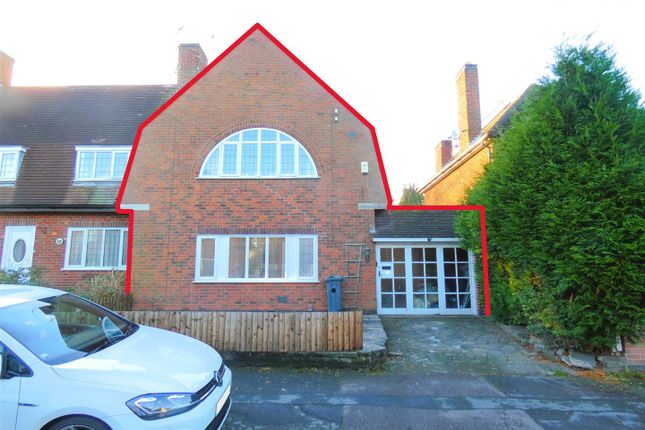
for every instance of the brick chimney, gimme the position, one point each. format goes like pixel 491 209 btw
pixel 469 116
pixel 190 62
pixel 6 69
pixel 442 154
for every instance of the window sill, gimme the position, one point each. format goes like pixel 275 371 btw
pixel 255 281
pixel 92 269
pixel 97 182
pixel 255 177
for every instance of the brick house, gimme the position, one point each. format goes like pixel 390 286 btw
pixel 63 151
pixel 246 189
pixel 460 162
pixel 257 181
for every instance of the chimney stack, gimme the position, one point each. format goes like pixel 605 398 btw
pixel 469 116
pixel 442 154
pixel 191 61
pixel 6 69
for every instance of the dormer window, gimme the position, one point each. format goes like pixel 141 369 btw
pixel 258 153
pixel 101 163
pixel 10 161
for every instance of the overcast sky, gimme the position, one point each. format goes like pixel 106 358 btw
pixel 394 61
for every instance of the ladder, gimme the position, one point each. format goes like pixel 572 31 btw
pixel 353 261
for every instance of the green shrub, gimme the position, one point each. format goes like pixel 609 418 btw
pixel 31 276
pixel 106 289
pixel 565 205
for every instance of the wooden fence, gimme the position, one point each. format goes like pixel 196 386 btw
pixel 262 331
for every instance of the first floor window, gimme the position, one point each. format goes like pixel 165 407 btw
pixel 10 160
pixel 101 163
pixel 256 257
pixel 96 248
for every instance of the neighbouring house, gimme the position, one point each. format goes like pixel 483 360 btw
pixel 256 182
pixel 459 162
pixel 63 151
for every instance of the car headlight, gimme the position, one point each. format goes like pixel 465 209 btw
pixel 162 405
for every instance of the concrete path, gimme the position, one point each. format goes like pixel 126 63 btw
pixel 448 373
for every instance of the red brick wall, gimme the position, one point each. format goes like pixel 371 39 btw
pixel 635 353
pixel 451 189
pixel 49 257
pixel 256 85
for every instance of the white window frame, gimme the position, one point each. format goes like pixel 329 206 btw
pixel 19 152
pixel 291 260
pixel 278 166
pixel 407 245
pixel 113 149
pixel 123 235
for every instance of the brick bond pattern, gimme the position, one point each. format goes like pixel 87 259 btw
pixel 49 257
pixel 256 85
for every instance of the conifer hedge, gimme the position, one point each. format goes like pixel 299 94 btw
pixel 565 198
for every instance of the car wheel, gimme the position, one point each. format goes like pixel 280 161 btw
pixel 78 423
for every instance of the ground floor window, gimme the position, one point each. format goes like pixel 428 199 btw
pixel 258 258
pixel 96 248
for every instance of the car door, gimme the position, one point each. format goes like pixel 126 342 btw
pixel 9 390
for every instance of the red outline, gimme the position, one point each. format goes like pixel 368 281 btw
pixel 390 206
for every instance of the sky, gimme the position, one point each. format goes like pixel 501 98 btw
pixel 395 62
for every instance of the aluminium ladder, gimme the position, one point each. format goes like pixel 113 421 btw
pixel 353 262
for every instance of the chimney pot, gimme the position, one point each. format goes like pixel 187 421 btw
pixel 6 69
pixel 442 154
pixel 191 61
pixel 469 115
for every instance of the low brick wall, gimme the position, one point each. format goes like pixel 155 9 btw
pixel 635 353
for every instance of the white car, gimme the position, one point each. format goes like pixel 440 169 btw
pixel 69 364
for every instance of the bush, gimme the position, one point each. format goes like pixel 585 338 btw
pixel 31 276
pixel 106 289
pixel 565 205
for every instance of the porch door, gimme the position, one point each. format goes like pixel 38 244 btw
pixel 391 278
pixel 415 279
pixel 18 249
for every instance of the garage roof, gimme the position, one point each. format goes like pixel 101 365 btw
pixel 415 224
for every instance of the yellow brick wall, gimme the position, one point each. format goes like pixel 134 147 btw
pixel 451 189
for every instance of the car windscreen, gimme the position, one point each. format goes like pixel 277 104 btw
pixel 63 328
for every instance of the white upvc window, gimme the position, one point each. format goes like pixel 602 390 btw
pixel 10 161
pixel 101 163
pixel 96 248
pixel 258 153
pixel 256 258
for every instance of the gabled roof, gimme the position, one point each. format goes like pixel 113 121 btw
pixel 77 115
pixel 50 121
pixel 415 224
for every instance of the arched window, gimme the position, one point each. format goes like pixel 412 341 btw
pixel 258 153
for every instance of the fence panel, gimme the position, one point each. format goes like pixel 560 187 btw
pixel 262 331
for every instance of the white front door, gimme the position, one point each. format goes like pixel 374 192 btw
pixel 423 279
pixel 18 248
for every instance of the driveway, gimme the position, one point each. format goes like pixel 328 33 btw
pixel 446 373
pixel 458 345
